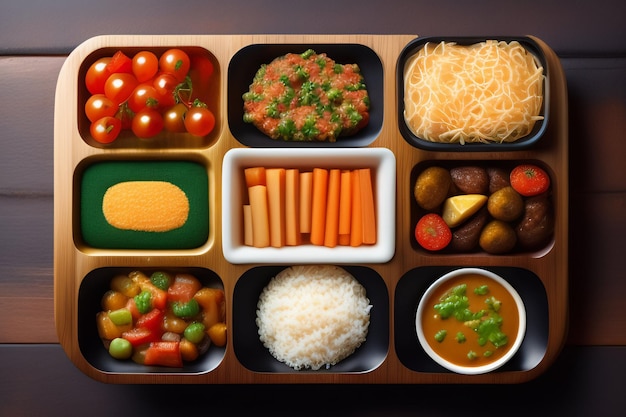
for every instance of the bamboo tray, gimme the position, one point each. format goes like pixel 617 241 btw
pixel 541 277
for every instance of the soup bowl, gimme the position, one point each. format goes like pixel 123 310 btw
pixel 471 321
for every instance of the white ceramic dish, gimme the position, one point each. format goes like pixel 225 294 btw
pixel 471 370
pixel 381 161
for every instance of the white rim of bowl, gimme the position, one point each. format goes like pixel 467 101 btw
pixel 477 369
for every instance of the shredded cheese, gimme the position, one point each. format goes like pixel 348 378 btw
pixel 491 91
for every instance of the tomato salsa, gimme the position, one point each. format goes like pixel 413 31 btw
pixel 471 321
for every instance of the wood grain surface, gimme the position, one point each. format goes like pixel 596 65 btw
pixel 588 37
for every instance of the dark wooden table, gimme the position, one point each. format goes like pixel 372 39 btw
pixel 588 378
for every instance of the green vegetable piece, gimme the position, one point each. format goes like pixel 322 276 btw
pixel 471 355
pixel 121 316
pixel 460 337
pixel 441 335
pixel 194 332
pixel 487 353
pixel 120 348
pixel 307 54
pixel 186 310
pixel 161 280
pixel 143 300
pixel 493 303
pixel 482 290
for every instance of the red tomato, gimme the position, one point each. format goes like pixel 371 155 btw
pixel 176 62
pixel 97 75
pixel 529 180
pixel 106 129
pixel 432 232
pixel 147 123
pixel 144 95
pixel 165 85
pixel 99 106
pixel 120 63
pixel 199 121
pixel 145 65
pixel 119 87
pixel 174 118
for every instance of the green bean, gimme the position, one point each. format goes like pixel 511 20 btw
pixel 161 280
pixel 186 310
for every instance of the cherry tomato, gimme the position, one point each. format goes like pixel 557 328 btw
pixel 174 118
pixel 176 62
pixel 529 180
pixel 106 129
pixel 97 75
pixel 144 95
pixel 145 65
pixel 199 121
pixel 432 232
pixel 120 63
pixel 99 106
pixel 147 123
pixel 165 85
pixel 119 87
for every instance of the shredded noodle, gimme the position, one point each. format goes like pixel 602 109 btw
pixel 491 91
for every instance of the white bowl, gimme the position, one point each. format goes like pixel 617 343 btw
pixel 470 370
pixel 382 163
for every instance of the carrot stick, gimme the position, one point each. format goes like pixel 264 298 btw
pixel 367 206
pixel 331 232
pixel 254 176
pixel 306 195
pixel 292 207
pixel 276 205
pixel 356 231
pixel 247 225
pixel 318 206
pixel 260 216
pixel 345 203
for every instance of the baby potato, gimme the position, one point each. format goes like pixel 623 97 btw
pixel 470 179
pixel 431 187
pixel 506 204
pixel 497 237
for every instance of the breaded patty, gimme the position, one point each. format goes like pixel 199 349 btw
pixel 307 97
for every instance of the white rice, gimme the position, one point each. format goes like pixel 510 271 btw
pixel 313 316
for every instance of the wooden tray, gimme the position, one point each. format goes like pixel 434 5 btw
pixel 542 276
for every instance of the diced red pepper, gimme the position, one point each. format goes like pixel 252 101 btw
pixel 132 307
pixel 153 321
pixel 183 288
pixel 164 353
pixel 120 63
pixel 140 335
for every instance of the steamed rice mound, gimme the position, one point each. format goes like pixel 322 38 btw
pixel 313 316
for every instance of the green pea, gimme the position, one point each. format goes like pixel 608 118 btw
pixel 161 280
pixel 120 348
pixel 194 332
pixel 121 316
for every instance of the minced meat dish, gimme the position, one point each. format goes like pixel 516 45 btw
pixel 307 97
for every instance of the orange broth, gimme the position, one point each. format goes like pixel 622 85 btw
pixel 450 348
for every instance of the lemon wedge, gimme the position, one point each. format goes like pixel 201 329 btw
pixel 459 208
